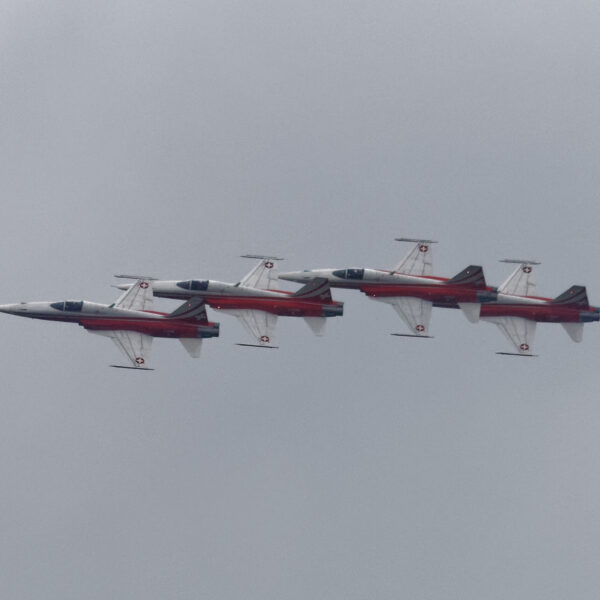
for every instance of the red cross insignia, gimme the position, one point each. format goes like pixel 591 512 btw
pixel 524 347
pixel 144 284
pixel 139 360
pixel 420 328
pixel 265 339
pixel 527 269
pixel 269 264
pixel 423 248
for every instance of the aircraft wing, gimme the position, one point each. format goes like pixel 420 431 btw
pixel 521 282
pixel 264 275
pixel 135 346
pixel 415 312
pixel 259 324
pixel 137 297
pixel 418 261
pixel 520 332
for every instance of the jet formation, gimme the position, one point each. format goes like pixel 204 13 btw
pixel 256 300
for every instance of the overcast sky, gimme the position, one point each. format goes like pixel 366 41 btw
pixel 168 138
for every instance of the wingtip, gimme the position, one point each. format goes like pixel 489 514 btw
pixel 415 240
pixel 262 256
pixel 518 261
pixel 132 368
pixel 517 354
pixel 413 335
pixel 257 346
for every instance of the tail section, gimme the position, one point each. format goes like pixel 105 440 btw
pixel 316 324
pixel 192 346
pixel 575 296
pixel 471 310
pixel 192 309
pixel 471 277
pixel 575 331
pixel 317 289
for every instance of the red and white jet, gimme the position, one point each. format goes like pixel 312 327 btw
pixel 256 302
pixel 410 288
pixel 129 322
pixel 517 309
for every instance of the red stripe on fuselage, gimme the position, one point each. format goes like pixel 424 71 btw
pixel 544 313
pixel 431 293
pixel 288 306
pixel 153 327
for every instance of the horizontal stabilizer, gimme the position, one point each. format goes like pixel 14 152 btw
pixel 576 295
pixel 192 346
pixel 471 310
pixel 316 324
pixel 471 277
pixel 575 331
pixel 315 289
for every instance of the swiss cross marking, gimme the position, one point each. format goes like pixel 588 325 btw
pixel 269 264
pixel 524 347
pixel 139 360
pixel 144 284
pixel 526 269
pixel 420 328
pixel 423 248
pixel 265 339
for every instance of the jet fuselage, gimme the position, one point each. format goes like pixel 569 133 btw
pixel 378 283
pixel 542 310
pixel 97 317
pixel 220 295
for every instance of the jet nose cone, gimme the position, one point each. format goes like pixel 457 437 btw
pixel 12 309
pixel 294 276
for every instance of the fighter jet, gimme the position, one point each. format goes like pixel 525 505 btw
pixel 130 321
pixel 517 309
pixel 256 302
pixel 410 288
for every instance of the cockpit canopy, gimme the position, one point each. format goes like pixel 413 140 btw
pixel 193 284
pixel 349 273
pixel 68 306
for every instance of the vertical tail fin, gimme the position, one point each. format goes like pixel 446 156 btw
pixel 316 289
pixel 471 277
pixel 194 308
pixel 575 296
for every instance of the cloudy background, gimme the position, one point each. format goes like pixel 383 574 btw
pixel 168 138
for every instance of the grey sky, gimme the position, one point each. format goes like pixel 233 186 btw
pixel 168 138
